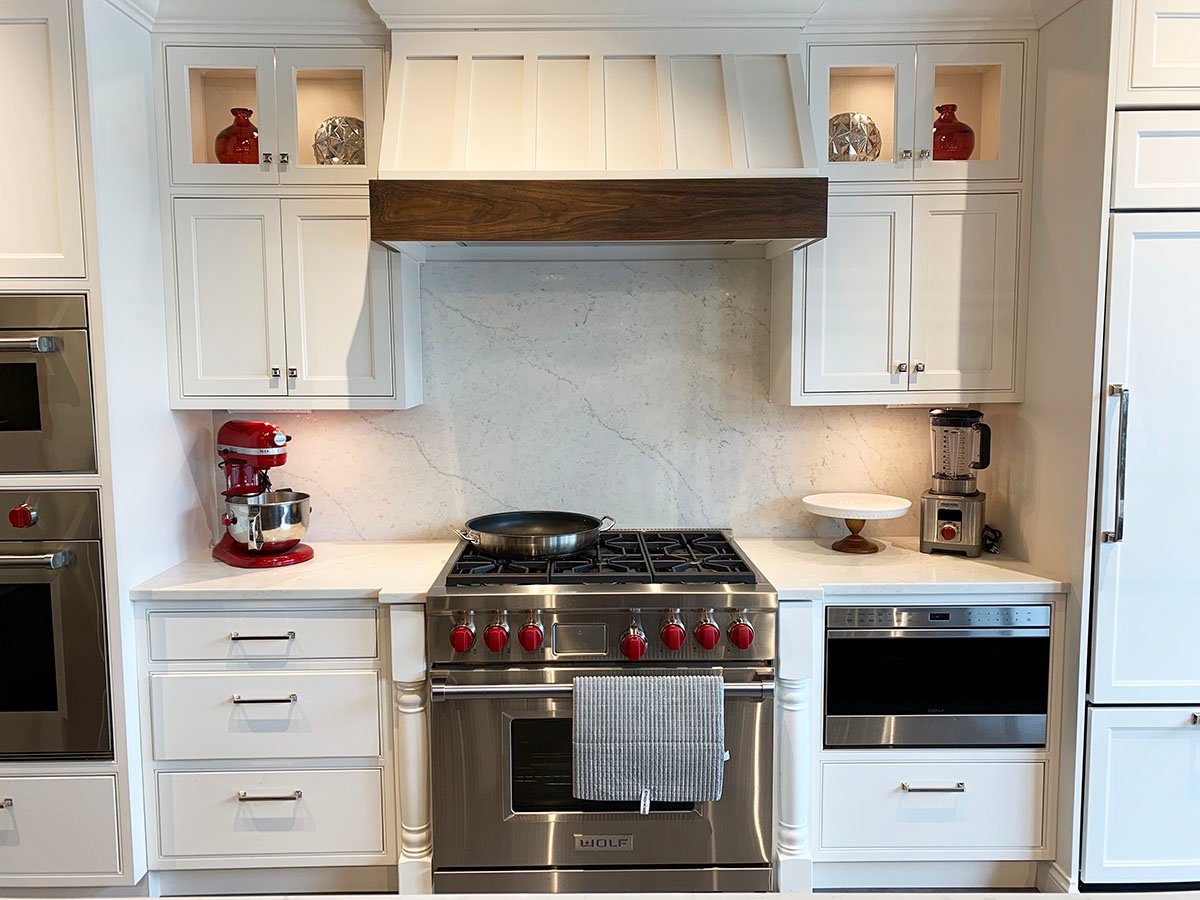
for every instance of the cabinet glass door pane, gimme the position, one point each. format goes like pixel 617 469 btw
pixel 330 109
pixel 222 116
pixel 862 111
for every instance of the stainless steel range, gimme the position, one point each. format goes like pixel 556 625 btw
pixel 505 641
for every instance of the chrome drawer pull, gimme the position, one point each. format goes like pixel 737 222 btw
pixel 1196 718
pixel 6 803
pixel 59 560
pixel 959 788
pixel 234 636
pixel 1118 533
pixel 244 797
pixel 290 698
pixel 42 344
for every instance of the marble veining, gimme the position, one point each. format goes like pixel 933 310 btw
pixel 637 390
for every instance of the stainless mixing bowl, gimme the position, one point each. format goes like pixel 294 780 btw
pixel 270 522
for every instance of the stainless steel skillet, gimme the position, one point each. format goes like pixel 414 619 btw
pixel 531 534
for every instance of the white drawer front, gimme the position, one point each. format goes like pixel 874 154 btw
pixel 333 811
pixel 1165 65
pixel 1157 160
pixel 309 714
pixel 865 806
pixel 305 634
pixel 59 826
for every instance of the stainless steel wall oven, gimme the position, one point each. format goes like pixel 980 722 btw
pixel 54 686
pixel 951 676
pixel 46 413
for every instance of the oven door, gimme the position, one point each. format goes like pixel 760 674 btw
pixel 937 687
pixel 54 700
pixel 45 402
pixel 502 784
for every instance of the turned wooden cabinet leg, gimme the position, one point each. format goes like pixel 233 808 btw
pixel 412 768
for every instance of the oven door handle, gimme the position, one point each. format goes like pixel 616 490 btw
pixel 441 689
pixel 59 560
pixel 40 344
pixel 882 633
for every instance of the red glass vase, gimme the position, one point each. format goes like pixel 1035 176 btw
pixel 238 142
pixel 952 139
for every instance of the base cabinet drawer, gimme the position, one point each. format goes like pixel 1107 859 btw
pixel 932 806
pixel 59 825
pixel 1156 162
pixel 255 635
pixel 304 812
pixel 265 715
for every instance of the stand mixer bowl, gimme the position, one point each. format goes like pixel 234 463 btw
pixel 268 523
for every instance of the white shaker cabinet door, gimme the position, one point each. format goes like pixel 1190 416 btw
pixel 1159 64
pixel 1141 814
pixel 857 298
pixel 41 212
pixel 230 295
pixel 964 309
pixel 339 319
pixel 1143 637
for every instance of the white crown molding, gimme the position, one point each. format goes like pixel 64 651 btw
pixel 273 17
pixel 141 12
pixel 596 22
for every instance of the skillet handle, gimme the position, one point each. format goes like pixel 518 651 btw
pixel 469 536
pixel 611 522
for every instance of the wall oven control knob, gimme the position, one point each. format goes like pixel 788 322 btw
pixel 708 635
pixel 633 643
pixel 496 637
pixel 741 634
pixel 22 516
pixel 462 638
pixel 948 531
pixel 531 636
pixel 673 635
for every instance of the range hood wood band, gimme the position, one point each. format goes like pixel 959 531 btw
pixel 592 210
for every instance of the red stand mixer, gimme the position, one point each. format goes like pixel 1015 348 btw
pixel 263 527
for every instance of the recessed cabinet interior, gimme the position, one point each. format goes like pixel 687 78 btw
pixel 290 299
pixel 289 93
pixel 41 213
pixel 874 109
pixel 908 297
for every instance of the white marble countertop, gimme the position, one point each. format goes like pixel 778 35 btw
pixel 402 571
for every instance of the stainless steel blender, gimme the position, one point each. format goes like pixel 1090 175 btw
pixel 952 510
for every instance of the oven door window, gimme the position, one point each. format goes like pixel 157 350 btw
pixel 30 663
pixel 20 398
pixel 540 753
pixel 917 676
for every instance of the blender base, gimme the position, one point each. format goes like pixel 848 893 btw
pixel 952 523
pixel 234 554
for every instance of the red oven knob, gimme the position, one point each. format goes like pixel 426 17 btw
pixel 22 516
pixel 673 635
pixel 462 638
pixel 741 634
pixel 531 636
pixel 708 635
pixel 496 637
pixel 633 643
pixel 948 531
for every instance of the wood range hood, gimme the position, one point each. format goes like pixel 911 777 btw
pixel 632 144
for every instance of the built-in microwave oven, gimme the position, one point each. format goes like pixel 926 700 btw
pixel 944 676
pixel 46 409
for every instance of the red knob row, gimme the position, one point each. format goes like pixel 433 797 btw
pixel 633 642
pixel 495 637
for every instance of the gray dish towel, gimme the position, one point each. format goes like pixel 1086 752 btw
pixel 649 738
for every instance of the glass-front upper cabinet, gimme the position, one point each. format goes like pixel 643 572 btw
pixel 940 112
pixel 253 115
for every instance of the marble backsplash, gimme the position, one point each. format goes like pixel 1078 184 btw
pixel 636 390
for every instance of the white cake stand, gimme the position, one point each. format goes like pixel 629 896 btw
pixel 856 509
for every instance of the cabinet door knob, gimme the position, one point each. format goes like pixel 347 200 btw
pixel 283 159
pixel 919 367
pixel 267 159
pixel 926 154
pixel 901 368
pixel 293 372
pixel 276 371
pixel 906 154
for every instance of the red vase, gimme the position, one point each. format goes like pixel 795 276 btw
pixel 952 139
pixel 238 142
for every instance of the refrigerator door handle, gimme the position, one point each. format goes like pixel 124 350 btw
pixel 1118 532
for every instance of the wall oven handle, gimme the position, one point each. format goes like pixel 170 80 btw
pixel 440 689
pixel 1118 533
pixel 244 797
pixel 40 344
pixel 239 699
pixel 58 560
pixel 959 787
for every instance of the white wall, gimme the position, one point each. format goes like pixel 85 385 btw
pixel 635 390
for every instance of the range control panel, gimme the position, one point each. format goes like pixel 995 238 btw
pixel 895 617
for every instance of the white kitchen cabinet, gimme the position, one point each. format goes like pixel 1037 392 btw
pixel 288 303
pixel 291 92
pixel 899 87
pixel 964 285
pixel 1141 816
pixel 41 210
pixel 1143 645
pixel 261 635
pixel 59 825
pixel 1156 159
pixel 910 299
pixel 1158 62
